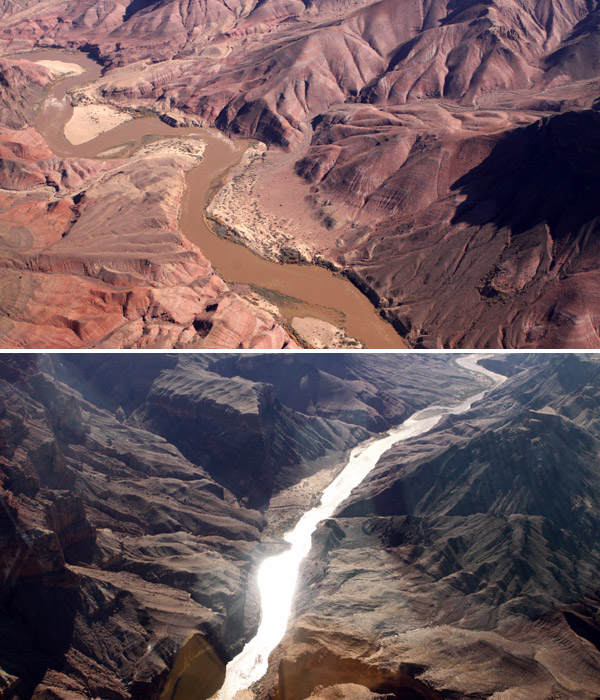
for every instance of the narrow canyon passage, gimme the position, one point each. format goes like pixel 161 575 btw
pixel 277 575
pixel 143 492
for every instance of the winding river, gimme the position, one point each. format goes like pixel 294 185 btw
pixel 277 575
pixel 297 290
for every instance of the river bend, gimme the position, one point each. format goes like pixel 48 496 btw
pixel 297 290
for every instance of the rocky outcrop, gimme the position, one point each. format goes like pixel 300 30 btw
pixel 455 570
pixel 107 533
pixel 22 86
pixel 398 121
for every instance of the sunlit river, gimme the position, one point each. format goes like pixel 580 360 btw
pixel 277 575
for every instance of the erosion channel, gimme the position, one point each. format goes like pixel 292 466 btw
pixel 277 575
pixel 297 290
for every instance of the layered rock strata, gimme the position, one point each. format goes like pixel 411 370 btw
pixel 93 257
pixel 392 133
pixel 129 488
pixel 467 565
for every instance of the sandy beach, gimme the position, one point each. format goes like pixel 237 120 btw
pixel 89 121
pixel 235 207
pixel 286 506
pixel 62 68
pixel 192 146
pixel 320 334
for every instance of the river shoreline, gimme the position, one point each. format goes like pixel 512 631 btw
pixel 331 310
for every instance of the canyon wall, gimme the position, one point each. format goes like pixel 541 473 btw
pixel 421 149
pixel 135 494
pixel 467 565
pixel 91 252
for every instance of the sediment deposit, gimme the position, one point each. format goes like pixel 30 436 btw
pixel 93 257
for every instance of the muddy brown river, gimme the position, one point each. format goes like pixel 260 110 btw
pixel 297 290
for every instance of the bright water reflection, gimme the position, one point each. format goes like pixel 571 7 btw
pixel 277 575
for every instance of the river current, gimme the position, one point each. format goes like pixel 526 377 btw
pixel 277 575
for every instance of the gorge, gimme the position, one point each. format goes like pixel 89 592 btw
pixel 277 575
pixel 135 514
pixel 303 288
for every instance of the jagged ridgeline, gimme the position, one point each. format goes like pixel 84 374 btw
pixel 138 494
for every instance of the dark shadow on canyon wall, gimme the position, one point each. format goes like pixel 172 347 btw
pixel 577 54
pixel 139 6
pixel 545 173
pixel 40 620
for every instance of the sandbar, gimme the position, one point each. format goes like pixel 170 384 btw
pixel 89 121
pixel 320 334
pixel 62 68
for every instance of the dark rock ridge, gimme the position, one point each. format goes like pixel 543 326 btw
pixel 353 388
pixel 257 437
pixel 127 532
pixel 295 411
pixel 116 548
pixel 467 565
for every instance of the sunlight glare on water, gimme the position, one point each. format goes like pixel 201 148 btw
pixel 277 575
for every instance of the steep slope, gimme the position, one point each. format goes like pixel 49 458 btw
pixel 372 391
pixel 297 412
pixel 467 565
pixel 259 440
pixel 521 268
pixel 381 114
pixel 21 88
pixel 115 549
pixel 456 232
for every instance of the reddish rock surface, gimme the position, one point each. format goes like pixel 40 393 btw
pixel 384 108
pixel 297 59
pixel 22 86
pixel 92 257
pixel 483 238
